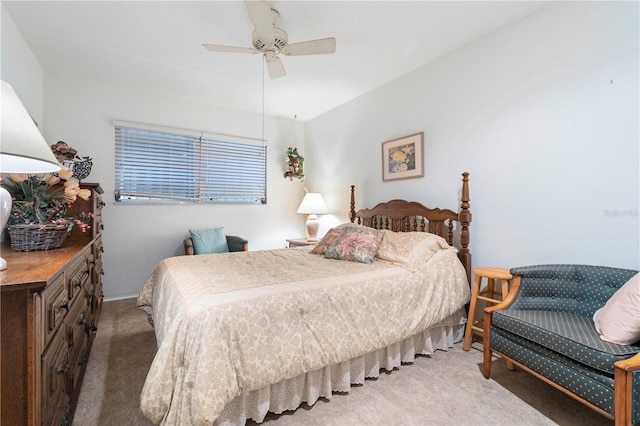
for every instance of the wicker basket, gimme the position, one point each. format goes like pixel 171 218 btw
pixel 37 237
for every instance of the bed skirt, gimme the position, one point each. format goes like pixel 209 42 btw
pixel 308 388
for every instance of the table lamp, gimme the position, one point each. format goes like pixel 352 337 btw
pixel 22 147
pixel 312 205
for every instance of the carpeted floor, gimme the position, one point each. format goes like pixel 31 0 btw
pixel 444 389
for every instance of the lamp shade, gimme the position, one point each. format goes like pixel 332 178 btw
pixel 22 147
pixel 312 203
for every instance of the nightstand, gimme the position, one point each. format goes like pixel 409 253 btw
pixel 298 242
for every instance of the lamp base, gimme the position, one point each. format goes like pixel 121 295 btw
pixel 312 227
pixel 5 209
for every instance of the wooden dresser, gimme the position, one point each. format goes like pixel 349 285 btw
pixel 49 306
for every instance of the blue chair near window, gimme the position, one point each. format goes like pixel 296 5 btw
pixel 207 241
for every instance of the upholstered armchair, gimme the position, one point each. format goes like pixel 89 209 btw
pixel 546 326
pixel 234 243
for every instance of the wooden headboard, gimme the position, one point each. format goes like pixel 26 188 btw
pixel 406 216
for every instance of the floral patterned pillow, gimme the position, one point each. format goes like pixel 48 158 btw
pixel 355 243
pixel 327 241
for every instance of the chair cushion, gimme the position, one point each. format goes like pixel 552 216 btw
pixel 206 241
pixel 592 385
pixel 618 321
pixel 572 335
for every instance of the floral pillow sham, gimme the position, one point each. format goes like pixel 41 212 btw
pixel 356 244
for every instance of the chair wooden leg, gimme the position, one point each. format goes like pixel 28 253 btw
pixel 468 333
pixel 486 347
pixel 510 365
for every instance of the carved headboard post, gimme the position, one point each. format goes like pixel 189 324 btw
pixel 465 219
pixel 352 210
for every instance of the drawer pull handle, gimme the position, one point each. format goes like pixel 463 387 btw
pixel 52 317
pixel 83 319
pixel 65 364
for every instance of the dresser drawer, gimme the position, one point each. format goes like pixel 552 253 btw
pixel 98 248
pixel 78 275
pixel 55 302
pixel 55 366
pixel 76 324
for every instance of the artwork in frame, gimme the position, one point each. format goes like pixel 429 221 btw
pixel 403 158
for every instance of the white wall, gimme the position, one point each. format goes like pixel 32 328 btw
pixel 543 114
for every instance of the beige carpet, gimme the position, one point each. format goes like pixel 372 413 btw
pixel 445 389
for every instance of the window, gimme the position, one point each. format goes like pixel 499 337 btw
pixel 155 164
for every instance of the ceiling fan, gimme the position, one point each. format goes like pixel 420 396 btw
pixel 271 40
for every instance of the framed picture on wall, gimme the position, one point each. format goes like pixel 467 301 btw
pixel 403 158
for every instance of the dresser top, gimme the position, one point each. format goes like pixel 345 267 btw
pixel 34 269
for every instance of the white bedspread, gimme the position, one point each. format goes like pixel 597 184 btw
pixel 235 322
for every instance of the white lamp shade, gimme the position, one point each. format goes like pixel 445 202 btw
pixel 22 147
pixel 312 203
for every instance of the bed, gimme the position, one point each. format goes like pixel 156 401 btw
pixel 243 334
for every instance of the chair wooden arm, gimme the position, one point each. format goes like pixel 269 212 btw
pixel 623 389
pixel 188 246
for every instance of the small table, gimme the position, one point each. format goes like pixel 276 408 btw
pixel 489 295
pixel 298 242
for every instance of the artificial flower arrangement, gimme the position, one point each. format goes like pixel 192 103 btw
pixel 41 201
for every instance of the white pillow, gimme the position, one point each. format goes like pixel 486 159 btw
pixel 407 247
pixel 618 321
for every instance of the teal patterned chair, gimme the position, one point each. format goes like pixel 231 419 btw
pixel 545 327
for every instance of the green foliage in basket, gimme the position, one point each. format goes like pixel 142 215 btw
pixel 45 198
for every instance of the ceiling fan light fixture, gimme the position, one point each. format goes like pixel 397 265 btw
pixel 280 40
pixel 271 40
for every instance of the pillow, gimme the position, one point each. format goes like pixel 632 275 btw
pixel 407 247
pixel 327 241
pixel 207 241
pixel 618 321
pixel 355 243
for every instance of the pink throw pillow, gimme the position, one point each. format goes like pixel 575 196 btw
pixel 618 321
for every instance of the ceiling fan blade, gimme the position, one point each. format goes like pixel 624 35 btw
pixel 262 18
pixel 274 65
pixel 311 47
pixel 230 49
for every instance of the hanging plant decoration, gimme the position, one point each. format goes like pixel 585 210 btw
pixel 294 167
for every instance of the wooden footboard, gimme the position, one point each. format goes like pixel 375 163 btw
pixel 408 216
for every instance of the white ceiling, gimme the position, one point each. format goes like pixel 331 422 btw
pixel 156 46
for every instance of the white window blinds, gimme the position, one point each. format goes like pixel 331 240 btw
pixel 155 164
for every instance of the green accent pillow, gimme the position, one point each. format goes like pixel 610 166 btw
pixel 207 241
